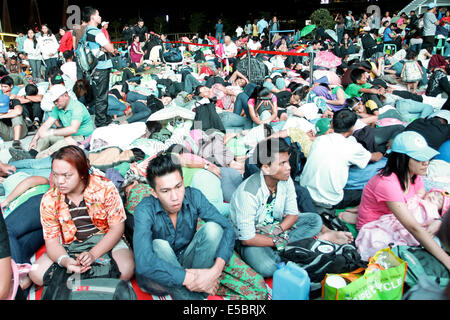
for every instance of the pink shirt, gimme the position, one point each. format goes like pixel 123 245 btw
pixel 378 191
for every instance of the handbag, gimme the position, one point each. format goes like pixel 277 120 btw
pixel 18 270
pixel 383 279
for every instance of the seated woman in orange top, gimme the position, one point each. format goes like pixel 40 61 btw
pixel 79 207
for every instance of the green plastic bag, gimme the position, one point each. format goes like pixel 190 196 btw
pixel 383 279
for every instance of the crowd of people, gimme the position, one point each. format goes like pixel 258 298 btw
pixel 179 159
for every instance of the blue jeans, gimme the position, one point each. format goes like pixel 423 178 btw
pixel 241 102
pixel 231 179
pixel 140 112
pixel 410 109
pixel 34 167
pixel 200 254
pixel 25 230
pixel 134 96
pixel 424 80
pixel 447 50
pixel 190 83
pixel 234 122
pixel 36 68
pixel 398 66
pixel 49 63
pixel 264 260
pixel 115 107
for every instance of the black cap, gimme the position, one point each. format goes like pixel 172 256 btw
pixel 57 79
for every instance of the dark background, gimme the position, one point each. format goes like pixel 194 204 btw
pixel 233 12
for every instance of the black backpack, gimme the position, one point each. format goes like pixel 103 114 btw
pixel 173 55
pixel 319 257
pixel 99 283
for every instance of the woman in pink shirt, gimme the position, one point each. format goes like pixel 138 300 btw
pixel 136 52
pixel 383 209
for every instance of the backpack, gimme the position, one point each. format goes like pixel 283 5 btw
pixel 256 72
pixel 319 257
pixel 61 285
pixel 84 56
pixel 173 55
pixel 101 282
pixel 422 264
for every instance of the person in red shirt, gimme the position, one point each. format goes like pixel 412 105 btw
pixel 66 42
pixel 445 21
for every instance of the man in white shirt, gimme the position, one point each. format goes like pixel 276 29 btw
pixel 239 31
pixel 229 47
pixel 326 171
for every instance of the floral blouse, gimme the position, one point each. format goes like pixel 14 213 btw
pixel 103 203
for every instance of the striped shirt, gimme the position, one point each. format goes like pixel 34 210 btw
pixel 83 222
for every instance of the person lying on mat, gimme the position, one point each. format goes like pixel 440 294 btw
pixel 172 257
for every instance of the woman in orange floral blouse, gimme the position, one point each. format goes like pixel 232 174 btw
pixel 81 206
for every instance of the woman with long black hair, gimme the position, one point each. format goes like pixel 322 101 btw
pixel 48 46
pixel 388 193
pixel 30 46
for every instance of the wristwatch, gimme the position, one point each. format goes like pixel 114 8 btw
pixel 206 166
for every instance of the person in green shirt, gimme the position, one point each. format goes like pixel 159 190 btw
pixel 360 85
pixel 75 125
pixel 360 88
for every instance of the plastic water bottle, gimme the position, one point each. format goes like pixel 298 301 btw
pixel 290 282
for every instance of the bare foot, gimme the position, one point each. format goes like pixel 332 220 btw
pixel 25 282
pixel 339 237
pixel 349 217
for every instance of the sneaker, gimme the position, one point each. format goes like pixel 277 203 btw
pixel 28 122
pixel 19 154
pixel 16 144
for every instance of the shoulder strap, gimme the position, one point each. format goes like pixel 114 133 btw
pixel 89 36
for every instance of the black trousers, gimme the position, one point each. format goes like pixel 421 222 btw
pixel 32 110
pixel 351 198
pixel 100 86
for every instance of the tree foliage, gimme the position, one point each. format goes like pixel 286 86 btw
pixel 197 21
pixel 323 18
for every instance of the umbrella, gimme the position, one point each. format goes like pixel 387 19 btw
pixel 307 30
pixel 332 34
pixel 213 40
pixel 327 60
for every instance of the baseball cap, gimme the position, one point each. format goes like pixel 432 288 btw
pixel 431 5
pixel 57 79
pixel 414 145
pixel 105 22
pixel 444 114
pixel 4 103
pixel 322 126
pixel 56 91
